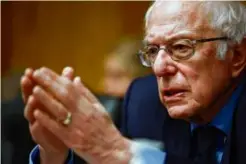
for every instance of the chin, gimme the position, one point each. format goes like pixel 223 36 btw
pixel 182 111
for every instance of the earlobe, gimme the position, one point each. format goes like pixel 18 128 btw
pixel 239 59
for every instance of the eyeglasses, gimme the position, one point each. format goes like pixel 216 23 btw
pixel 181 49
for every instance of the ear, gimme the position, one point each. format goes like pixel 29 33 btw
pixel 239 58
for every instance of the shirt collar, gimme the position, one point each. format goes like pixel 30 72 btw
pixel 223 119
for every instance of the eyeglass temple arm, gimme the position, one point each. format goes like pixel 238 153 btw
pixel 212 39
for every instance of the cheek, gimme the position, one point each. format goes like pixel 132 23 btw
pixel 206 83
pixel 199 81
pixel 190 74
pixel 203 91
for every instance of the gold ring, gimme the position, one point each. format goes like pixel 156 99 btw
pixel 68 119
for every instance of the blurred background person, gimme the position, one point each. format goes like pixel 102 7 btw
pixel 121 66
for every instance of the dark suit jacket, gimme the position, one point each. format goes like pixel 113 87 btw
pixel 145 117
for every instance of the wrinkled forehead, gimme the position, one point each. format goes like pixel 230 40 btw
pixel 174 17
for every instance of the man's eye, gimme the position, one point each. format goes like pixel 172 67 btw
pixel 181 48
pixel 152 50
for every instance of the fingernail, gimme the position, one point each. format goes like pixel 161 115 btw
pixel 30 99
pixel 27 71
pixel 67 69
pixel 77 79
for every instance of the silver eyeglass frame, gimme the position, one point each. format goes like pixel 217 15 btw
pixel 145 63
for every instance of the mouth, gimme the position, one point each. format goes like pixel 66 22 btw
pixel 173 94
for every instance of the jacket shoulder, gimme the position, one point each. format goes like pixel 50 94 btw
pixel 142 110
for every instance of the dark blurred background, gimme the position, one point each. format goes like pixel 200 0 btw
pixel 59 34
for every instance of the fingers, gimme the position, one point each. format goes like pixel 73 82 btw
pixel 56 128
pixel 72 96
pixel 91 99
pixel 29 72
pixel 37 130
pixel 52 106
pixel 68 72
pixel 27 84
pixel 40 135
pixel 45 76
pixel 32 103
pixel 85 91
pixel 62 88
pixel 29 108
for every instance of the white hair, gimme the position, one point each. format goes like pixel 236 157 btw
pixel 228 18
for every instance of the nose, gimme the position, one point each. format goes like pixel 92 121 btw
pixel 164 65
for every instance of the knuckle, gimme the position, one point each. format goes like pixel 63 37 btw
pixel 64 93
pixel 78 138
pixel 68 84
pixel 78 133
pixel 30 100
pixel 36 90
pixel 66 90
pixel 28 112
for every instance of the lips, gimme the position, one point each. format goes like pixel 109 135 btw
pixel 173 94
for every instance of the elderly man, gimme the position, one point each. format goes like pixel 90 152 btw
pixel 198 54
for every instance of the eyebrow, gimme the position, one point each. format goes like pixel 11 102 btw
pixel 186 34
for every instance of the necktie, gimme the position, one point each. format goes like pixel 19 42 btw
pixel 204 144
